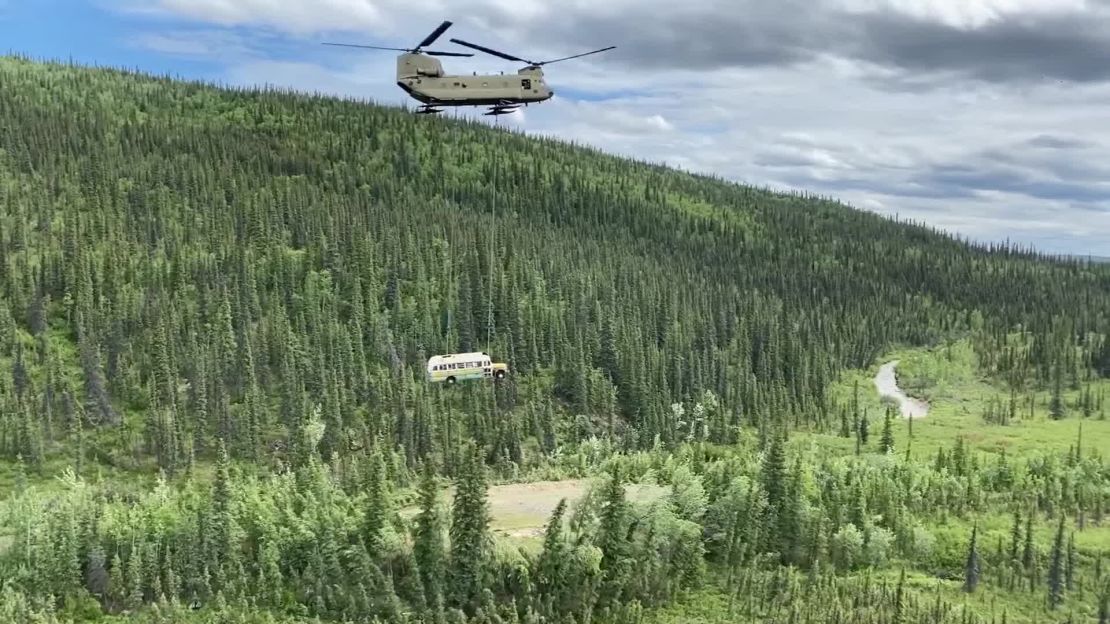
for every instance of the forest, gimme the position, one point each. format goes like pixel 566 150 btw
pixel 216 306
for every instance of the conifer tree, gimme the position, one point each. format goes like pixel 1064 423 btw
pixel 773 478
pixel 1104 606
pixel 470 538
pixel 1029 553
pixel 886 443
pixel 971 567
pixel 612 539
pixel 1056 581
pixel 1056 407
pixel 549 567
pixel 377 504
pixel 428 540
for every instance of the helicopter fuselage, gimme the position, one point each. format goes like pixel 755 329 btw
pixel 423 78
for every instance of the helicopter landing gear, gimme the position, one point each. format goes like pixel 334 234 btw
pixel 502 109
pixel 428 109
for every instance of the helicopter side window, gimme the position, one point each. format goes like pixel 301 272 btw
pixel 526 83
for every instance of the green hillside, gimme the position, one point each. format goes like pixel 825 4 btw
pixel 237 290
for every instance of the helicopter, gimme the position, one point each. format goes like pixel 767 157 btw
pixel 422 76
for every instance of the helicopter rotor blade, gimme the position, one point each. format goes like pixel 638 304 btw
pixel 490 51
pixel 435 35
pixel 430 53
pixel 351 45
pixel 567 58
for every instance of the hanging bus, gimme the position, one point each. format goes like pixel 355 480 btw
pixel 464 366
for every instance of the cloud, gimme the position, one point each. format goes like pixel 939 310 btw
pixel 295 17
pixel 199 44
pixel 990 40
pixel 995 41
pixel 1070 47
pixel 1057 142
pixel 986 117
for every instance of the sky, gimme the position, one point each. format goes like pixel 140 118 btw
pixel 986 118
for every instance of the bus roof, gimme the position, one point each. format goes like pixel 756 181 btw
pixel 458 356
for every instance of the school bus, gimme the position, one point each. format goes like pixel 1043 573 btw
pixel 463 366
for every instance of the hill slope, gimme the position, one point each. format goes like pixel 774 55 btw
pixel 220 284
pixel 228 259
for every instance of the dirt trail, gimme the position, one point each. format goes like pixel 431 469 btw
pixel 887 385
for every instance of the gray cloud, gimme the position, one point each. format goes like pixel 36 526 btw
pixel 974 179
pixel 1070 45
pixel 987 40
pixel 1074 47
pixel 1059 142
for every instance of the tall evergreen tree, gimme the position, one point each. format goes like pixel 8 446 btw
pixel 886 443
pixel 1056 580
pixel 612 539
pixel 428 547
pixel 972 566
pixel 470 538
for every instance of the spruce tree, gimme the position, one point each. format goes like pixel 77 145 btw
pixel 377 504
pixel 971 567
pixel 612 540
pixel 886 443
pixel 1056 407
pixel 1056 571
pixel 1104 606
pixel 773 479
pixel 428 546
pixel 548 570
pixel 471 542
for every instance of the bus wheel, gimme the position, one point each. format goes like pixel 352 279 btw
pixel 499 374
pixel 451 380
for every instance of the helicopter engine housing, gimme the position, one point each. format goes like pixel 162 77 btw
pixel 418 66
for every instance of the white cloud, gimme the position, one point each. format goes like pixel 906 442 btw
pixel 292 17
pixel 968 14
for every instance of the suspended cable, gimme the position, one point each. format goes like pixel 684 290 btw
pixel 492 229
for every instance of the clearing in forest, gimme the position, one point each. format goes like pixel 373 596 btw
pixel 522 509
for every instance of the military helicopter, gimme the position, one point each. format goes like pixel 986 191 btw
pixel 423 78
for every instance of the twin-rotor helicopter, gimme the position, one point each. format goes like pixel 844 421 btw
pixel 422 76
